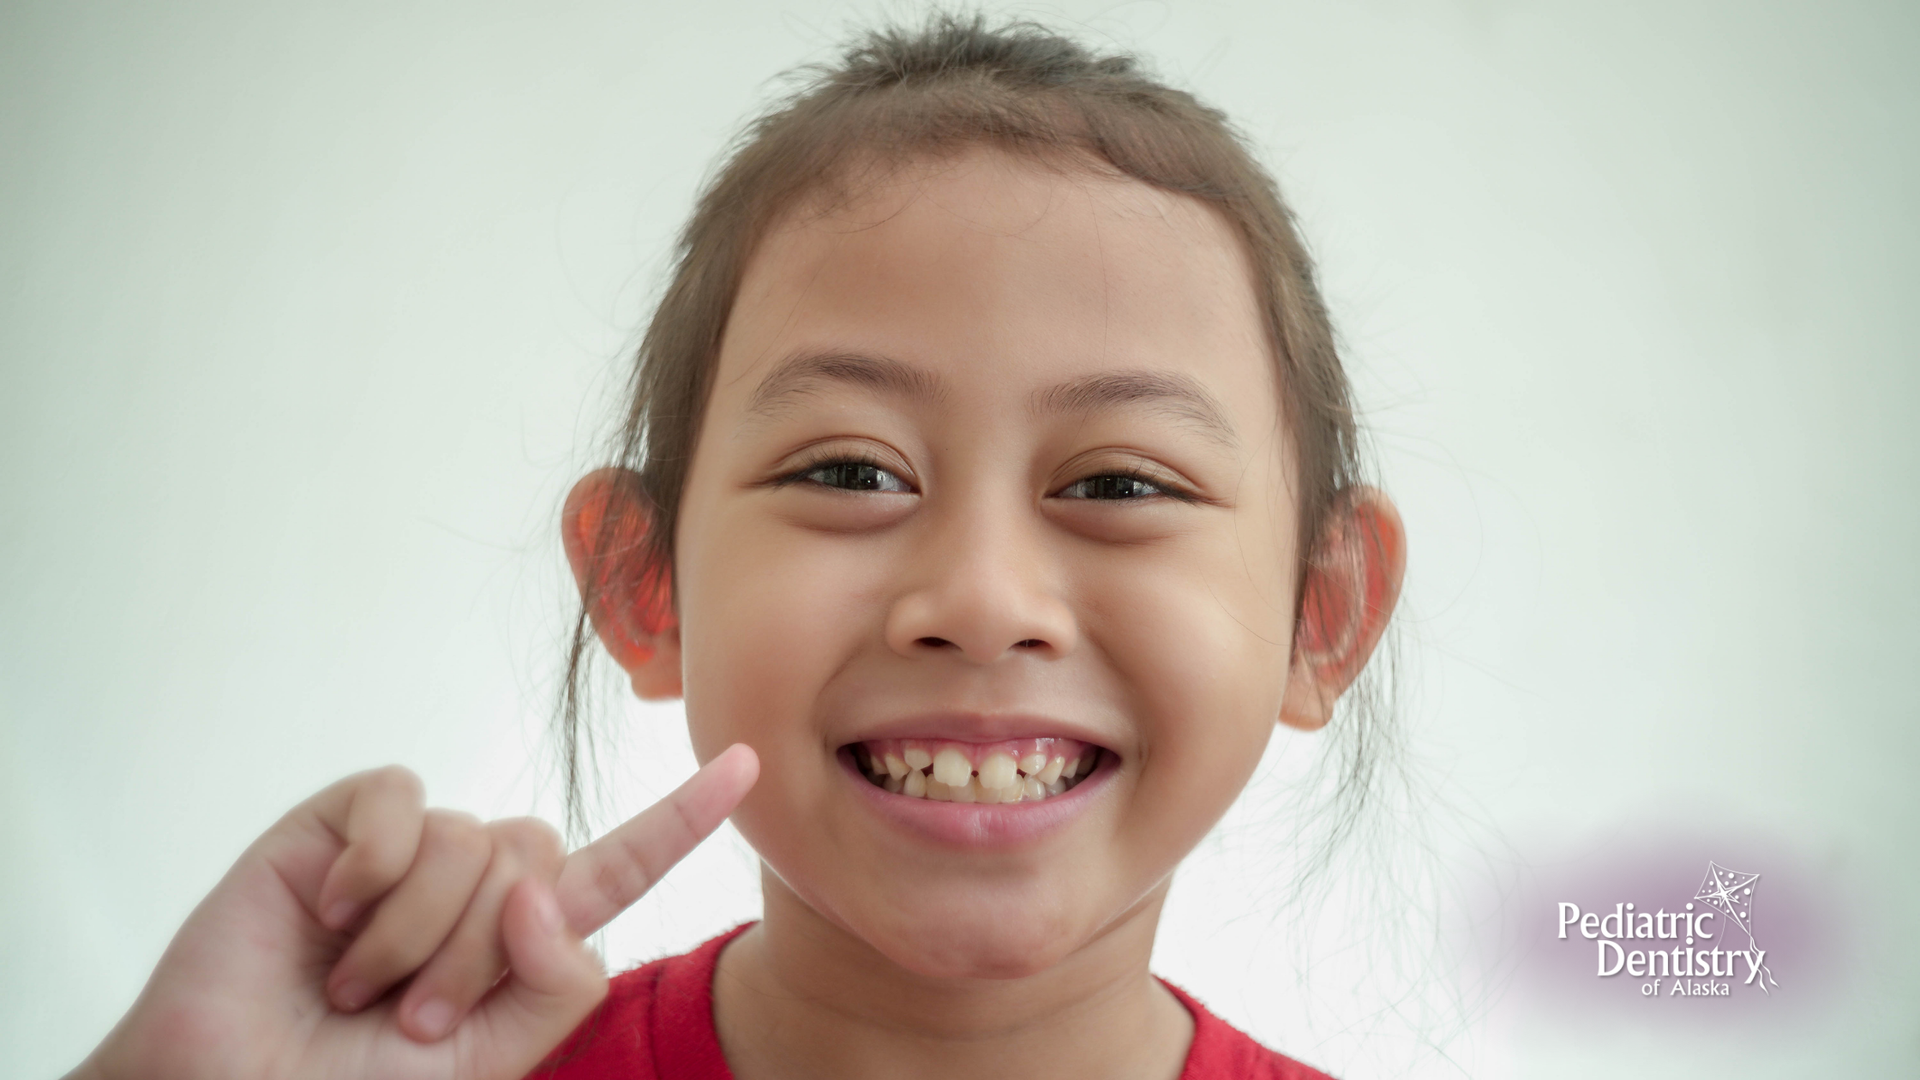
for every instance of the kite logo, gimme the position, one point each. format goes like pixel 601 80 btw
pixel 1730 892
pixel 1688 945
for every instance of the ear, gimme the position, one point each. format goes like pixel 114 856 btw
pixel 629 598
pixel 1351 587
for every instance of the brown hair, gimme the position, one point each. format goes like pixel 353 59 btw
pixel 898 95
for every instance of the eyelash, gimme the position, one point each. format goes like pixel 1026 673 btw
pixel 835 461
pixel 803 474
pixel 1160 487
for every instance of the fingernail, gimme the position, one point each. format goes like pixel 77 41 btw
pixel 434 1017
pixel 349 996
pixel 340 914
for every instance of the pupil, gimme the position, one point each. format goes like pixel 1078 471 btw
pixel 851 475
pixel 1115 487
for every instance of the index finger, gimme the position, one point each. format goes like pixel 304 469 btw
pixel 600 880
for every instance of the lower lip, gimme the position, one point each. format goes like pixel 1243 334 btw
pixel 976 825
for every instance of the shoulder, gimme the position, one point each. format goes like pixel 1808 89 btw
pixel 1221 1051
pixel 656 1021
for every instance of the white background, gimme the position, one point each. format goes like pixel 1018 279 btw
pixel 310 314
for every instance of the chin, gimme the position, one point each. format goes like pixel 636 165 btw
pixel 969 935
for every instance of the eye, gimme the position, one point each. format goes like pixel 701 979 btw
pixel 852 475
pixel 1117 486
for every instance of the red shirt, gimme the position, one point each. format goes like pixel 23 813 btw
pixel 657 1024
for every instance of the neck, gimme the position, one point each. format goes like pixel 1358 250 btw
pixel 798 996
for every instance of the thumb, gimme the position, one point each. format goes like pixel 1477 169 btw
pixel 553 982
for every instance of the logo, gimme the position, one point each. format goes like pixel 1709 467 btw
pixel 1691 950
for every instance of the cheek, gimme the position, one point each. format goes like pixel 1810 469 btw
pixel 1193 625
pixel 1204 656
pixel 1212 681
pixel 766 617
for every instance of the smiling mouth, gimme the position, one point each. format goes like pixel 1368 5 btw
pixel 1006 771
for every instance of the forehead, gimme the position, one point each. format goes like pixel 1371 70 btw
pixel 1007 274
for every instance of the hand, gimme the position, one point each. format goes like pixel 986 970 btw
pixel 281 970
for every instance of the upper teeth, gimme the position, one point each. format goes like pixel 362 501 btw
pixel 952 768
pixel 1013 771
pixel 997 771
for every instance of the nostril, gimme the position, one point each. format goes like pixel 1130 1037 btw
pixel 1030 643
pixel 934 642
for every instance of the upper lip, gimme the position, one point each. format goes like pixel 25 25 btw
pixel 982 727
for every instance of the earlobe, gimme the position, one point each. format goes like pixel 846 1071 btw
pixel 628 595
pixel 657 677
pixel 1352 585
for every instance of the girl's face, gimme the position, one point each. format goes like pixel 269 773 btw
pixel 992 456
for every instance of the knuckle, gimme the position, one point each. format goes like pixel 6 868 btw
pixel 456 833
pixel 535 843
pixel 642 857
pixel 620 882
pixel 379 861
pixel 394 780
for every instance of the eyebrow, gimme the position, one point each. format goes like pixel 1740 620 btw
pixel 1180 397
pixel 806 372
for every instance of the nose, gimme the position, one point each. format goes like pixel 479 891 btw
pixel 984 585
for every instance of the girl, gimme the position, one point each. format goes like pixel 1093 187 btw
pixel 988 491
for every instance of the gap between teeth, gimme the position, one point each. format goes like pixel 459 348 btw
pixel 949 777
